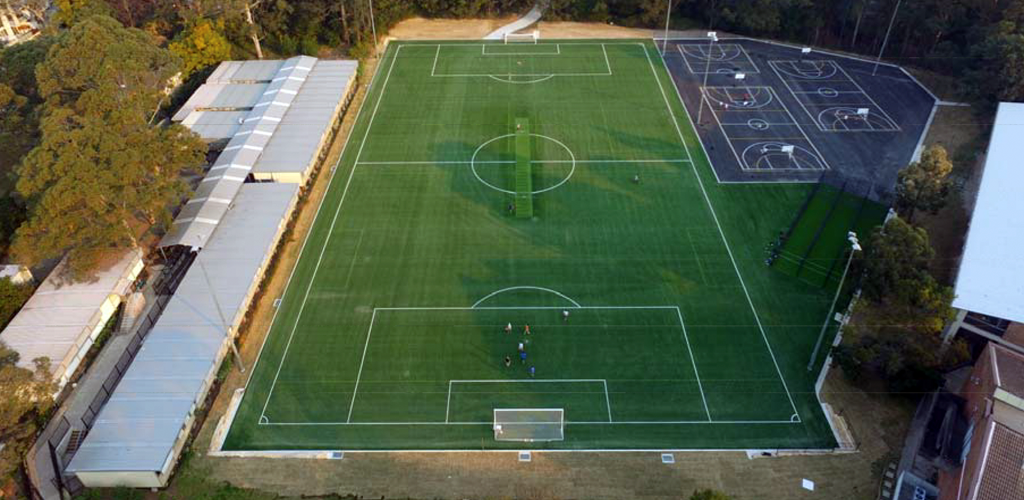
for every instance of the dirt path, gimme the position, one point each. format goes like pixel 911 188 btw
pixel 418 28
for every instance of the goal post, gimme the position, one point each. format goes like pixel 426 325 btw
pixel 530 37
pixel 529 425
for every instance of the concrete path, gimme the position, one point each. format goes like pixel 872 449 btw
pixel 519 24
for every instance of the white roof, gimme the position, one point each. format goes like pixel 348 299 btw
pixel 282 131
pixel 138 428
pixel 991 277
pixel 59 318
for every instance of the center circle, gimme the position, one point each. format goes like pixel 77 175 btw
pixel 757 124
pixel 473 164
pixel 828 92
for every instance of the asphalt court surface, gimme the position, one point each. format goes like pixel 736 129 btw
pixel 795 116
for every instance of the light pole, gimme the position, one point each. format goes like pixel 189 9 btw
pixel 854 247
pixel 712 38
pixel 886 39
pixel 373 28
pixel 668 16
pixel 216 304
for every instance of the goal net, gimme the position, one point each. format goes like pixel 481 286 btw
pixel 529 425
pixel 530 37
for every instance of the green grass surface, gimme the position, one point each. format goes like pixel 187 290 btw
pixel 391 332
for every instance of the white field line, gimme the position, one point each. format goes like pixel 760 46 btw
pixel 693 362
pixel 433 69
pixel 679 94
pixel 362 361
pixel 509 162
pixel 606 62
pixel 330 231
pixel 557 52
pixel 483 49
pixel 608 400
pixel 728 140
pixel 524 287
pixel 567 422
pixel 721 232
pixel 447 410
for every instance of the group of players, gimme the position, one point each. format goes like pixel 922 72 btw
pixel 532 370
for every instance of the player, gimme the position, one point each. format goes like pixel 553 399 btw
pixel 526 329
pixel 511 208
pixel 521 347
pixel 508 328
pixel 636 178
pixel 522 357
pixel 533 371
pixel 565 315
pixel 508 361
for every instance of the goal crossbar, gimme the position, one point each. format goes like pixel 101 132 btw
pixel 530 37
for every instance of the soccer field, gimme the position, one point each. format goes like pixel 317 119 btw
pixel 392 332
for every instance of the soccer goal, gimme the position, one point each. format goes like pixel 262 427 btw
pixel 530 37
pixel 529 425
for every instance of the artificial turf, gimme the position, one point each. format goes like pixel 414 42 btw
pixel 391 332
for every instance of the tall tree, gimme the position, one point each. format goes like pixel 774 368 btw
pixel 101 173
pixel 200 45
pixel 27 396
pixel 924 185
pixel 709 494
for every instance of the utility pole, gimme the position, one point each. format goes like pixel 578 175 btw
pixel 373 28
pixel 668 17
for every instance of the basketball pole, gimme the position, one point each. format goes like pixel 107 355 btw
pixel 885 40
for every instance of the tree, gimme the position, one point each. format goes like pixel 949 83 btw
pixel 200 45
pixel 27 395
pixel 101 173
pixel 12 297
pixel 924 184
pixel 709 494
pixel 896 263
pixel 70 12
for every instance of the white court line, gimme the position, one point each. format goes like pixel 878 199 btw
pixel 848 79
pixel 801 129
pixel 330 231
pixel 721 232
pixel 742 52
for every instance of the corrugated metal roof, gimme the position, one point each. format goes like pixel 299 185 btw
pixel 294 146
pixel 245 71
pixel 215 125
pixel 199 217
pixel 221 96
pixel 59 318
pixel 138 427
pixel 991 276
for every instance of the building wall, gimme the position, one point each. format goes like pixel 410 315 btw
pixel 135 479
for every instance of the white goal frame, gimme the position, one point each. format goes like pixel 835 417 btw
pixel 531 37
pixel 501 425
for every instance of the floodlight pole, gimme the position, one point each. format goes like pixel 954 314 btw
pixel 713 37
pixel 220 312
pixel 373 28
pixel 668 17
pixel 885 40
pixel 854 247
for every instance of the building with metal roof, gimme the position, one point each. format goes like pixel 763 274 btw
pixel 139 433
pixel 61 320
pixel 277 117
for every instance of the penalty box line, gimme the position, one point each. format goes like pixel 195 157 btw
pixel 679 314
